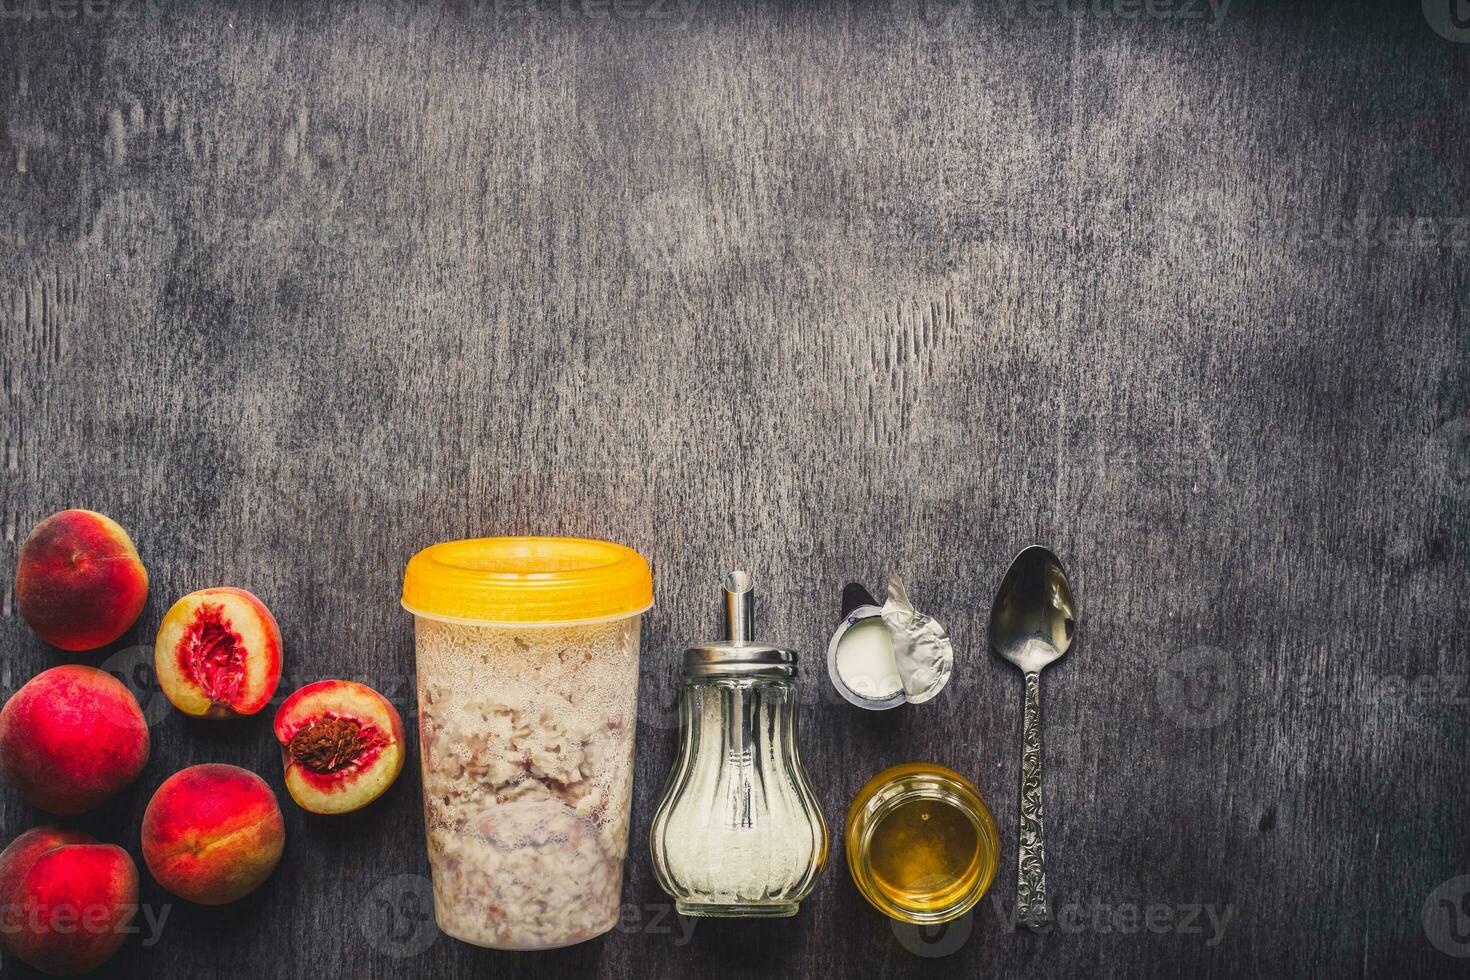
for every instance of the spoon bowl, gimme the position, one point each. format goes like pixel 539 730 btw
pixel 1034 616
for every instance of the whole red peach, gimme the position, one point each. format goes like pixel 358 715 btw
pixel 213 833
pixel 79 581
pixel 72 738
pixel 65 900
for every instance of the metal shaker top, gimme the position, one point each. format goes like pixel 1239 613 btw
pixel 739 653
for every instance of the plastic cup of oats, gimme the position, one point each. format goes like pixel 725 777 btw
pixel 527 661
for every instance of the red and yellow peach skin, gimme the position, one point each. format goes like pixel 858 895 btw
pixel 79 582
pixel 72 738
pixel 213 833
pixel 65 900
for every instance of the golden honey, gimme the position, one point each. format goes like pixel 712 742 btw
pixel 921 843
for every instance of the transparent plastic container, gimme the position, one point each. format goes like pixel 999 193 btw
pixel 527 658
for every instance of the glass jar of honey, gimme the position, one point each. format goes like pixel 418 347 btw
pixel 921 843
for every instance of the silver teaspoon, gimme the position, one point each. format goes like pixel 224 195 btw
pixel 1032 623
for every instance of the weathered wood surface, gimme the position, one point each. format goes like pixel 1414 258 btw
pixel 823 292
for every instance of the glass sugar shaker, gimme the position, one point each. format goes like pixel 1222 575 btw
pixel 738 831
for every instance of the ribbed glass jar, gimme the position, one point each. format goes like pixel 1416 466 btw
pixel 738 831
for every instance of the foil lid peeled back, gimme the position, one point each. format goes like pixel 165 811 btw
pixel 921 647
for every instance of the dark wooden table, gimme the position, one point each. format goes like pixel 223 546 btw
pixel 828 292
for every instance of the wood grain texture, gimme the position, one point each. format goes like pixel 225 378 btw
pixel 823 292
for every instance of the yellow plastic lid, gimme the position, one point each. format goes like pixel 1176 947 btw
pixel 527 580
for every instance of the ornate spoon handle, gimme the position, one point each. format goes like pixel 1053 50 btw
pixel 1031 871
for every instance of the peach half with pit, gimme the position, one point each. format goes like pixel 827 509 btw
pixel 72 738
pixel 218 654
pixel 65 900
pixel 79 582
pixel 213 833
pixel 341 745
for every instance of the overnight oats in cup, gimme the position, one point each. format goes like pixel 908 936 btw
pixel 527 657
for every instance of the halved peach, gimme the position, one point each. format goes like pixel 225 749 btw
pixel 218 654
pixel 341 745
